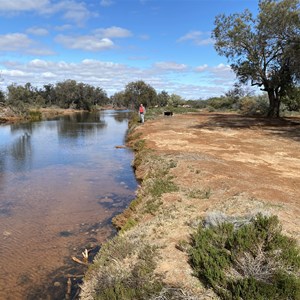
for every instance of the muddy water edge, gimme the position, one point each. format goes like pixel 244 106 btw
pixel 61 183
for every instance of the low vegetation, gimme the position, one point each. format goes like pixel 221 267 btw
pixel 248 260
pixel 123 269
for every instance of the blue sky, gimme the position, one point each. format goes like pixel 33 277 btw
pixel 109 43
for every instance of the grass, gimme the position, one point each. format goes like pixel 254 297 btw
pixel 200 193
pixel 153 113
pixel 34 115
pixel 123 269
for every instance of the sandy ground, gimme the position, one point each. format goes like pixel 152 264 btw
pixel 224 163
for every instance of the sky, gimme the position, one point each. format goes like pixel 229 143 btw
pixel 110 43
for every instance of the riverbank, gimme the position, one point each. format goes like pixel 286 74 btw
pixel 192 166
pixel 8 115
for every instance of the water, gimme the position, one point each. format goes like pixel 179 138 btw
pixel 61 182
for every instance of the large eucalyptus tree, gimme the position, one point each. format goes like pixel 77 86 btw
pixel 263 49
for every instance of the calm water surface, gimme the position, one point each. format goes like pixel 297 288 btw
pixel 61 182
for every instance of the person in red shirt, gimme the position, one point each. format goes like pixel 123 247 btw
pixel 142 112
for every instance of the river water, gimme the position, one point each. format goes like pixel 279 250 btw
pixel 61 182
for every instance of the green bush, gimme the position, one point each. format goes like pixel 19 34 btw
pixel 34 115
pixel 249 261
pixel 162 185
pixel 252 106
pixel 122 270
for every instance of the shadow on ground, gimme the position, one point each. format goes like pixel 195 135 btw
pixel 284 127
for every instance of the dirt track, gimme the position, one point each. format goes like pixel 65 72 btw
pixel 225 163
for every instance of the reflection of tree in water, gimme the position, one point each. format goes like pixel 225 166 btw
pixel 2 162
pixel 80 124
pixel 122 116
pixel 21 151
pixel 23 127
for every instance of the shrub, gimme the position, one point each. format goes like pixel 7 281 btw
pixel 34 115
pixel 254 106
pixel 122 270
pixel 249 261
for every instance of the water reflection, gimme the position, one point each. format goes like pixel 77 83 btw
pixel 74 126
pixel 21 152
pixel 61 182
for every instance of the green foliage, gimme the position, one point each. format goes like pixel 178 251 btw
pixel 252 106
pixel 139 145
pixel 158 181
pixel 66 94
pixel 175 100
pixel 122 270
pixel 139 92
pixel 251 261
pixel 34 115
pixel 130 223
pixel 118 99
pixel 292 99
pixel 162 98
pixel 2 96
pixel 221 103
pixel 273 35
pixel 156 188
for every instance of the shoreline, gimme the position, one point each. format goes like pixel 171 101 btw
pixel 186 174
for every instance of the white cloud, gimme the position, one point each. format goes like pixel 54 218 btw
pixel 100 40
pixel 38 51
pixel 197 37
pixel 85 42
pixel 106 2
pixel 20 42
pixel 75 11
pixel 14 42
pixel 202 68
pixel 38 63
pixel 63 27
pixel 221 69
pixel 15 73
pixel 37 31
pixel 113 32
pixel 22 5
pixel 172 66
pixel 113 77
pixel 48 75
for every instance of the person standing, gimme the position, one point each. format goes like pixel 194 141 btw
pixel 142 112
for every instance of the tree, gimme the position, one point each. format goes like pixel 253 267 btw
pixel 2 96
pixel 118 99
pixel 292 100
pixel 69 93
pixel 238 92
pixel 20 94
pixel 163 98
pixel 139 92
pixel 48 93
pixel 175 100
pixel 264 50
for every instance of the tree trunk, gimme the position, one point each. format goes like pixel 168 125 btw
pixel 274 104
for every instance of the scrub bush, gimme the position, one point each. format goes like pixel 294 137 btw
pixel 249 261
pixel 122 270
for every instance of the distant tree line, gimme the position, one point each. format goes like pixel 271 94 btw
pixel 71 94
pixel 66 94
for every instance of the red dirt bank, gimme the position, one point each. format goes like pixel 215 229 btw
pixel 228 163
